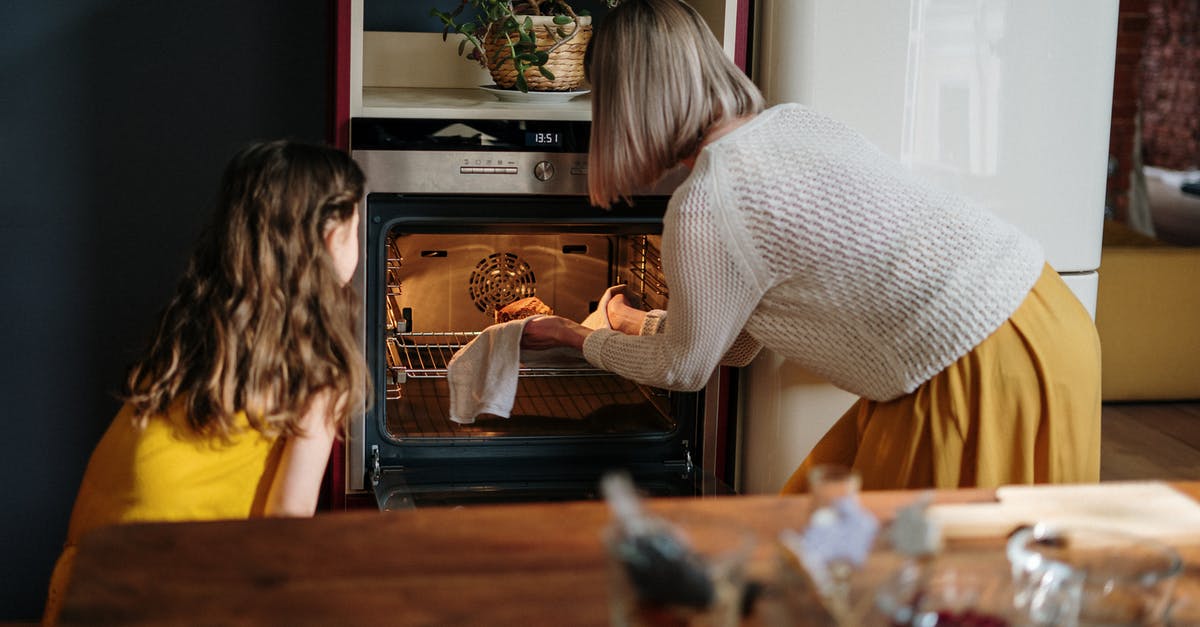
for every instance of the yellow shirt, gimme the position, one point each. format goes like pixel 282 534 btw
pixel 164 472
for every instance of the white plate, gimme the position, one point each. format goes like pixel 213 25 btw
pixel 538 97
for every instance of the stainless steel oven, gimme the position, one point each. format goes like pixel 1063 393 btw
pixel 462 216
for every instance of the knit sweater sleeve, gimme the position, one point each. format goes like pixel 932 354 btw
pixel 714 290
pixel 745 348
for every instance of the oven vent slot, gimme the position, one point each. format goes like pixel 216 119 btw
pixel 425 355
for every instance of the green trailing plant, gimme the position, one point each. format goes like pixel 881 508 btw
pixel 510 23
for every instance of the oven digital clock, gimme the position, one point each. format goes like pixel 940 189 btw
pixel 543 138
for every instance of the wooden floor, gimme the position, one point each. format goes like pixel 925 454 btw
pixel 1150 441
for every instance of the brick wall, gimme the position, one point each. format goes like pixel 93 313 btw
pixel 1127 87
pixel 1171 84
pixel 1158 70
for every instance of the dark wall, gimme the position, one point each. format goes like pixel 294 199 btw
pixel 116 117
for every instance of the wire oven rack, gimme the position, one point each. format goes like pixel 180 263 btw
pixel 645 278
pixel 426 355
pixel 571 399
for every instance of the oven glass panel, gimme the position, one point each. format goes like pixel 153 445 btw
pixel 443 289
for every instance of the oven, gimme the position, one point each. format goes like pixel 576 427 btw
pixel 462 216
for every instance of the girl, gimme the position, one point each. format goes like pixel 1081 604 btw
pixel 975 364
pixel 233 410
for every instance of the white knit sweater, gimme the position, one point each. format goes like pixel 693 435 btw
pixel 794 232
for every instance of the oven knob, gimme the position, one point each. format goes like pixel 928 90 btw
pixel 543 171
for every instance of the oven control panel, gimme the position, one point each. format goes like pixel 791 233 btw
pixel 470 156
pixel 429 172
pixel 542 170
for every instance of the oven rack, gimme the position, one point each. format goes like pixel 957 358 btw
pixel 424 355
pixel 646 280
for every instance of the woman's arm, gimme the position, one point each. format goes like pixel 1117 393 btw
pixel 297 483
pixel 633 321
pixel 745 348
pixel 714 291
pixel 712 268
pixel 545 332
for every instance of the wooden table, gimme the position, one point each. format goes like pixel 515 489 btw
pixel 534 564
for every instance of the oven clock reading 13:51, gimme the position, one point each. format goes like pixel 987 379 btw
pixel 543 138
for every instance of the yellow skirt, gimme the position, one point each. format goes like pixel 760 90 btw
pixel 1022 407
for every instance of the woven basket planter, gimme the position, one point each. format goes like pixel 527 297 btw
pixel 566 62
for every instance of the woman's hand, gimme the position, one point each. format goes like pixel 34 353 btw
pixel 623 317
pixel 545 332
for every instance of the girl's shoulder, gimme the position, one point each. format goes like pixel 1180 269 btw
pixel 172 427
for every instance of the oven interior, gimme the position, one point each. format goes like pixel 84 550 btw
pixel 442 265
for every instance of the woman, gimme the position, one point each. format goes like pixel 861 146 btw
pixel 975 364
pixel 233 409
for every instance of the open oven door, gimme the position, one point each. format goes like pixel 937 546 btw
pixel 401 487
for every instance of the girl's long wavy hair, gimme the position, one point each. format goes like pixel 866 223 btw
pixel 261 322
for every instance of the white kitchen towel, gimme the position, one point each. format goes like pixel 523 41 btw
pixel 482 375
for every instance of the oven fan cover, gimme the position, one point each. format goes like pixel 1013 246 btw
pixel 500 279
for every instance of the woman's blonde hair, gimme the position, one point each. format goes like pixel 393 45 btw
pixel 260 321
pixel 660 81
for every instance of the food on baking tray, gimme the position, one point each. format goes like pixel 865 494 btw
pixel 531 306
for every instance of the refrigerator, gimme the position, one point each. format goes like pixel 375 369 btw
pixel 1007 102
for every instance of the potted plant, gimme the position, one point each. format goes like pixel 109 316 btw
pixel 526 45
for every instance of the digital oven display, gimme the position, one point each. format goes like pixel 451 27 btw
pixel 543 139
pixel 470 135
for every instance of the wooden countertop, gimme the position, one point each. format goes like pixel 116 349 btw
pixel 521 564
